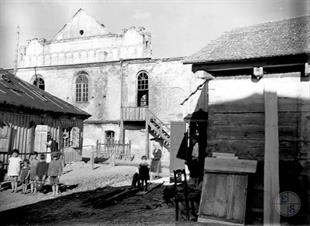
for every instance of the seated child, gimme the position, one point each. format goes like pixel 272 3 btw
pixel 14 169
pixel 54 172
pixel 144 172
pixel 24 175
pixel 41 172
pixel 33 171
pixel 135 181
pixel 2 174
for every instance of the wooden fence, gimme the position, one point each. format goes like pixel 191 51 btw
pixel 115 150
pixel 72 155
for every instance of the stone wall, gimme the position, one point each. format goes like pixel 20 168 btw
pixel 170 82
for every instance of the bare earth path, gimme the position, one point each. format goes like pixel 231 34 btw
pixel 78 174
pixel 84 205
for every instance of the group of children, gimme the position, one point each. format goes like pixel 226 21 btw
pixel 33 172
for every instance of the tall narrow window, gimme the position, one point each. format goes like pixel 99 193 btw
pixel 143 89
pixel 81 87
pixel 39 82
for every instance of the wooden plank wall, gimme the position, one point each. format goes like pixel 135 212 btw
pixel 236 125
pixel 236 116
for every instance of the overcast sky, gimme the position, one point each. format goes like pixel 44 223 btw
pixel 178 27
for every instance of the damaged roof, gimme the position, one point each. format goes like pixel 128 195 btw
pixel 19 94
pixel 280 38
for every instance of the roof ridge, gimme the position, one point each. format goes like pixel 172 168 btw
pixel 274 38
pixel 271 22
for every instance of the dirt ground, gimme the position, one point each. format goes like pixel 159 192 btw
pixel 83 208
pixel 78 175
pixel 86 203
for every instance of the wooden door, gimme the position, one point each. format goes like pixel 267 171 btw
pixel 75 137
pixel 224 197
pixel 176 136
pixel 5 134
pixel 40 138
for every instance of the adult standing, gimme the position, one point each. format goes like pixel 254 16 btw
pixel 49 148
pixel 156 163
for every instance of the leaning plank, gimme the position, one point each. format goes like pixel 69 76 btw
pixel 271 162
pixel 230 165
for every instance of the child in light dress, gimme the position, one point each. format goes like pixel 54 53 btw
pixel 14 169
pixel 24 175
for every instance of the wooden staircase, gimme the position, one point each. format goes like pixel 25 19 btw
pixel 158 129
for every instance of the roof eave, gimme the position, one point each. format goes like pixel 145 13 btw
pixel 267 61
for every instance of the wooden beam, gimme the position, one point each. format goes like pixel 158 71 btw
pixel 147 140
pixel 230 165
pixel 267 62
pixel 271 160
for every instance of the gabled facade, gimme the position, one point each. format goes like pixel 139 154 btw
pixel 84 40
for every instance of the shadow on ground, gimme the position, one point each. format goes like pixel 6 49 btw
pixel 60 208
pixel 90 206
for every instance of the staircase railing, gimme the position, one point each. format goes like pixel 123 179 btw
pixel 164 129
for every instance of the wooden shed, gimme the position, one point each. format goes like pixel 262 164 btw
pixel 28 113
pixel 259 109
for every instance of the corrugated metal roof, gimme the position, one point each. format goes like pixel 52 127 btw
pixel 279 38
pixel 20 94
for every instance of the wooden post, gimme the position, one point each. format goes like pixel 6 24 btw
pixel 81 139
pixel 147 140
pixel 97 146
pixel 92 160
pixel 271 163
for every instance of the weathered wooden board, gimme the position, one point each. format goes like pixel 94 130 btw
pixel 230 165
pixel 271 163
pixel 177 134
pixel 236 119
pixel 5 133
pixel 223 197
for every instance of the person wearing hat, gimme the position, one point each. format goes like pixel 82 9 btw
pixel 54 172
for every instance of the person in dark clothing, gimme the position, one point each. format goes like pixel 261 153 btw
pixel 54 172
pixel 2 174
pixel 25 175
pixel 144 172
pixel 41 172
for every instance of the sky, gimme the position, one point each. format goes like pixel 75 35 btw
pixel 178 27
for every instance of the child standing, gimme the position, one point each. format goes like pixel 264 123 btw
pixel 33 171
pixel 54 172
pixel 41 172
pixel 2 174
pixel 144 172
pixel 24 175
pixel 14 169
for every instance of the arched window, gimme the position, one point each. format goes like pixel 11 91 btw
pixel 81 87
pixel 143 89
pixel 39 82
